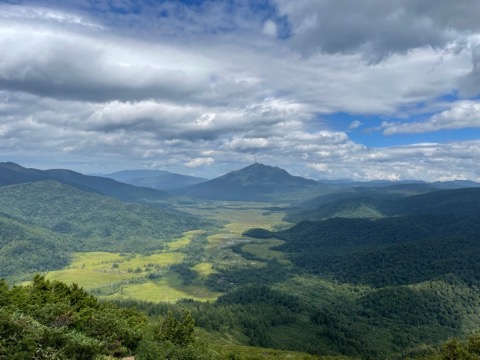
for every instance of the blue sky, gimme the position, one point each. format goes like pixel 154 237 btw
pixel 323 88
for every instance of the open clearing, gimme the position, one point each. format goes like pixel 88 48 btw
pixel 129 276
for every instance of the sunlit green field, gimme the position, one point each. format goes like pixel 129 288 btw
pixel 129 276
pixel 263 249
pixel 183 241
pixel 239 217
pixel 94 269
pixel 168 289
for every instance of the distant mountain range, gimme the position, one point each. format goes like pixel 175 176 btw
pixel 11 173
pixel 155 179
pixel 452 184
pixel 256 182
pixel 396 200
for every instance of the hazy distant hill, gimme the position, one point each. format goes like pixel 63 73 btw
pixel 156 179
pixel 452 184
pixel 392 201
pixel 11 173
pixel 256 182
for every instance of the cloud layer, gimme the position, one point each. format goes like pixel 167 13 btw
pixel 207 87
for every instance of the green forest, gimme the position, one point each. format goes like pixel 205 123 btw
pixel 370 273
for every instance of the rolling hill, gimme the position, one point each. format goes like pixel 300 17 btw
pixel 11 173
pixel 256 182
pixel 52 217
pixel 385 202
pixel 156 179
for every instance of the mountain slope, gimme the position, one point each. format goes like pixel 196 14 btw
pixel 50 214
pixel 156 179
pixel 11 173
pixel 256 182
pixel 28 249
pixel 376 203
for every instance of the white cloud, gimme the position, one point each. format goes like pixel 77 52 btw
pixel 355 125
pixel 210 88
pixel 200 162
pixel 248 143
pixel 378 28
pixel 270 28
pixel 319 167
pixel 462 114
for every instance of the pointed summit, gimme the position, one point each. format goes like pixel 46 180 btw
pixel 256 182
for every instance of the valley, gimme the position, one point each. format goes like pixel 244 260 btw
pixel 387 271
pixel 135 276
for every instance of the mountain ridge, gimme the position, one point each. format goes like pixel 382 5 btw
pixel 155 179
pixel 12 173
pixel 256 182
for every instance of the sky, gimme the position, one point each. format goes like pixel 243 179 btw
pixel 326 89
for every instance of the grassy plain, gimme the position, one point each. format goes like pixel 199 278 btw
pixel 129 276
pixel 263 249
pixel 239 217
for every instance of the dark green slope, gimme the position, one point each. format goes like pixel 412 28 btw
pixel 388 251
pixel 93 218
pixel 51 214
pixel 377 288
pixel 11 173
pixel 368 203
pixel 256 182
pixel 28 249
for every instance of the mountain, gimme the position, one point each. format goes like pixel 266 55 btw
pixel 256 182
pixel 390 251
pixel 28 249
pixel 50 217
pixel 452 184
pixel 401 281
pixel 156 179
pixel 397 200
pixel 11 173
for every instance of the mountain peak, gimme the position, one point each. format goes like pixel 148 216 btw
pixel 11 165
pixel 257 182
pixel 258 167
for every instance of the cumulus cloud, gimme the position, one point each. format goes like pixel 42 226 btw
pixel 270 28
pixel 70 65
pixel 355 125
pixel 378 28
pixel 470 83
pixel 200 162
pixel 213 85
pixel 462 114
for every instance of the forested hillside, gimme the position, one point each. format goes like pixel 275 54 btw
pixel 395 281
pixel 385 202
pixel 11 173
pixel 50 320
pixel 256 182
pixel 50 217
pixel 388 283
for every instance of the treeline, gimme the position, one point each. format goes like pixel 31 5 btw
pixel 41 224
pixel 388 202
pixel 27 249
pixel 50 320
pixel 389 251
pixel 54 321
pixel 305 313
